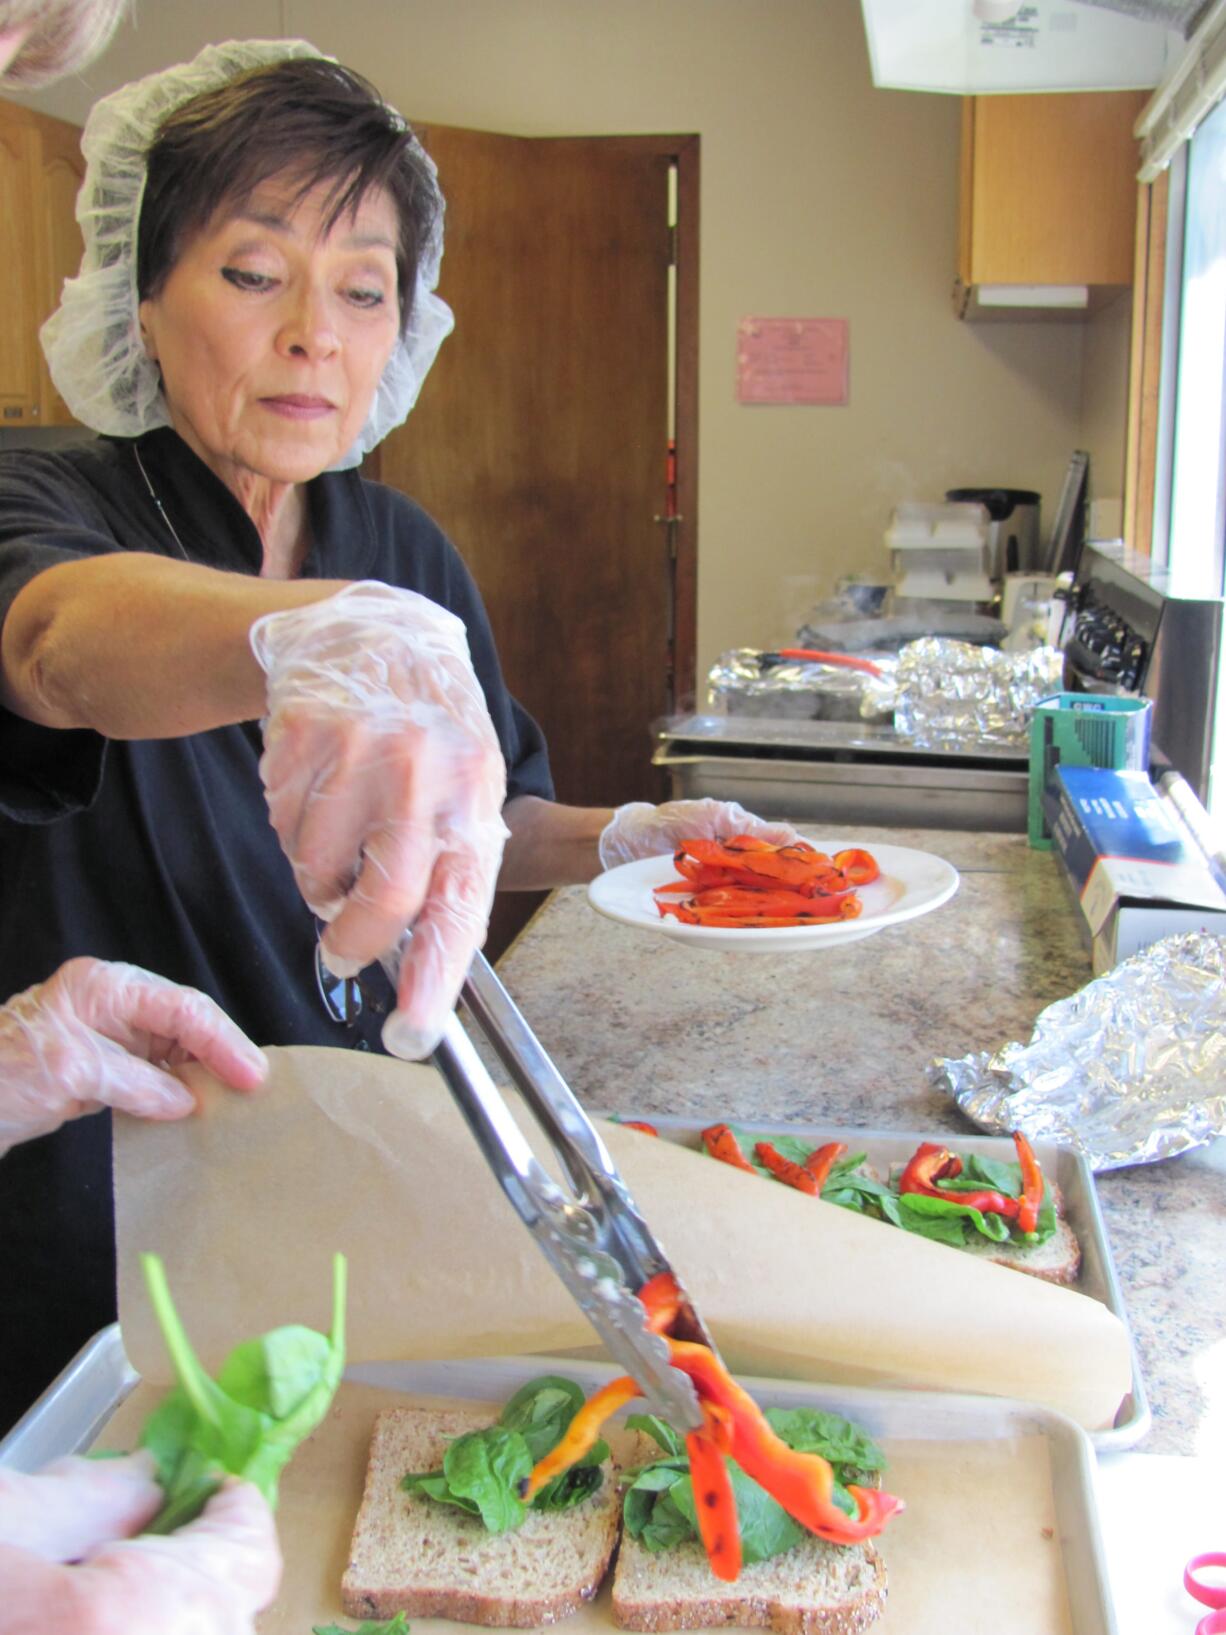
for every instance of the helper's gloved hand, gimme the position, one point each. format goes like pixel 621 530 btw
pixel 93 1035
pixel 385 784
pixel 642 830
pixel 69 1560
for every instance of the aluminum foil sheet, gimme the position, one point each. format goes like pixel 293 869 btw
pixel 746 681
pixel 1129 1069
pixel 951 694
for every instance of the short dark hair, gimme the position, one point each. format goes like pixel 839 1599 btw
pixel 306 119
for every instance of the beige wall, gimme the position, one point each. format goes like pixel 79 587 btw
pixel 820 197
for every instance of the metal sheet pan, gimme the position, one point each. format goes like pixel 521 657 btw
pixel 1028 1547
pixel 1068 1169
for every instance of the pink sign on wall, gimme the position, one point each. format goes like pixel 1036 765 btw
pixel 792 360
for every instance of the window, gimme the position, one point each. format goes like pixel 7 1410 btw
pixel 1197 477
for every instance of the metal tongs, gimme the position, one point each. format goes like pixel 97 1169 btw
pixel 596 1240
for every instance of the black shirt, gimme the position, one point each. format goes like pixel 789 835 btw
pixel 160 852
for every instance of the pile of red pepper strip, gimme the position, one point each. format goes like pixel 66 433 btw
pixel 933 1163
pixel 803 1483
pixel 749 882
pixel 810 1177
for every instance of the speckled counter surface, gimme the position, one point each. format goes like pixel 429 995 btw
pixel 640 1025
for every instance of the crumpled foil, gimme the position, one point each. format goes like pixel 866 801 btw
pixel 745 681
pixel 1129 1069
pixel 953 693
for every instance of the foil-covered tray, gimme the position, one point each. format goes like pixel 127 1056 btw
pixel 1067 1169
pixel 1001 1498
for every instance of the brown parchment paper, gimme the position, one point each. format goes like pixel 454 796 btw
pixel 247 1200
pixel 978 1540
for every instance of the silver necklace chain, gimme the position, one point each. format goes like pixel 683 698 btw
pixel 161 509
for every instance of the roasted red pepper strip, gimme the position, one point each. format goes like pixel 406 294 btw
pixel 639 1124
pixel 715 1505
pixel 822 1160
pixel 1032 1185
pixel 720 1142
pixel 801 1482
pixel 931 1162
pixel 783 1169
pixel 581 1434
pixel 860 867
pixel 660 1296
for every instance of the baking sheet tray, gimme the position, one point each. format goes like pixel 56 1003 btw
pixel 1068 1169
pixel 1000 1495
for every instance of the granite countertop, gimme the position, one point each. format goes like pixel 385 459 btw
pixel 639 1025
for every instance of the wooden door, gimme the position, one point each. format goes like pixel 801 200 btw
pixel 59 172
pixel 539 442
pixel 18 298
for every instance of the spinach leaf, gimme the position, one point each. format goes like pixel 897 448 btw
pixel 399 1625
pixel 838 1440
pixel 487 1468
pixel 765 1526
pixel 659 1430
pixel 920 1206
pixel 483 1470
pixel 269 1396
pixel 541 1410
pixel 573 1485
pixel 434 1484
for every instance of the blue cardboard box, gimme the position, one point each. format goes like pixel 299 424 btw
pixel 1134 868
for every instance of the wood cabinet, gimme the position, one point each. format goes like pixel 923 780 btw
pixel 41 169
pixel 1048 191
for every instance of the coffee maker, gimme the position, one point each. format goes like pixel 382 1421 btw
pixel 1013 532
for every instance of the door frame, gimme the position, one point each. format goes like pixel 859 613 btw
pixel 685 152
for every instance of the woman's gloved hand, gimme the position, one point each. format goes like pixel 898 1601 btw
pixel 100 1034
pixel 69 1559
pixel 385 783
pixel 642 830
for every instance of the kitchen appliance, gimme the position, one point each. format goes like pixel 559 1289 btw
pixel 1013 526
pixel 1138 628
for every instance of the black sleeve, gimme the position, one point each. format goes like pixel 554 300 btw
pixel 426 561
pixel 45 519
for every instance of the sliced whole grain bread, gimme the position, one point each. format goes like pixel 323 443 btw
pixel 410 1554
pixel 815 1588
pixel 1056 1261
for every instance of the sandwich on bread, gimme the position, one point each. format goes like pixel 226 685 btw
pixel 446 1528
pixel 441 1532
pixel 790 1581
pixel 968 1201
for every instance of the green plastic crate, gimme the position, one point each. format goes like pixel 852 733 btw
pixel 1082 729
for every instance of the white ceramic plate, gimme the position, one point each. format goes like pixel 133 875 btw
pixel 910 883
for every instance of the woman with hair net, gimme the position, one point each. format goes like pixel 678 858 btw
pixel 210 621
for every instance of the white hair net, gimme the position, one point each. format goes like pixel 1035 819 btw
pixel 93 342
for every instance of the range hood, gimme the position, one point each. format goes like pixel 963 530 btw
pixel 976 47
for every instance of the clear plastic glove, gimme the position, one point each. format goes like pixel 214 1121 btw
pixel 99 1034
pixel 69 1560
pixel 642 830
pixel 385 784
